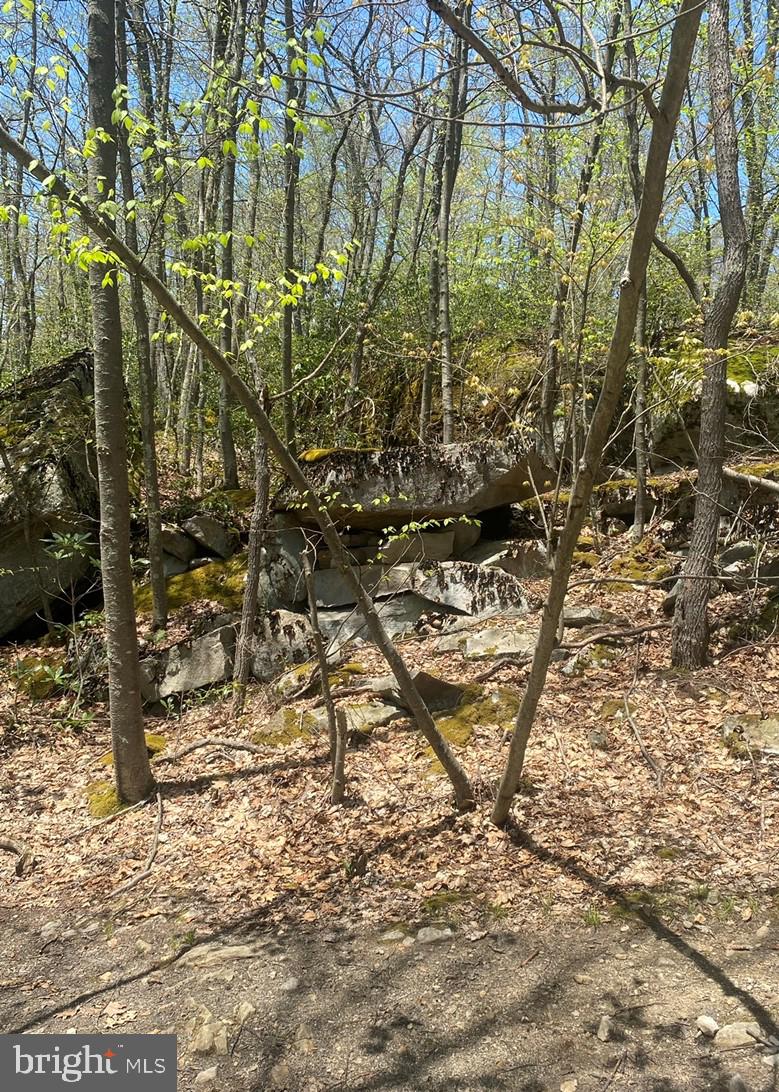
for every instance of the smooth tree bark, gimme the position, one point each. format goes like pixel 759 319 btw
pixel 132 771
pixel 293 91
pixel 690 628
pixel 159 593
pixel 664 124
pixel 226 332
pixel 321 655
pixel 452 148
pixel 100 228
pixel 258 526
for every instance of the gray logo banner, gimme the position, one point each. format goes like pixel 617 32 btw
pixel 108 1063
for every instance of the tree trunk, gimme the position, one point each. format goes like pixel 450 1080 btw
pixel 257 533
pixel 133 774
pixel 143 347
pixel 690 629
pixel 664 125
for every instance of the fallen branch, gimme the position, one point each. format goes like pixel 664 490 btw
pixel 212 741
pixel 120 890
pixel 25 862
pixel 751 480
pixel 656 768
pixel 504 661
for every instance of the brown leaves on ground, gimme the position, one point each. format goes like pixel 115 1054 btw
pixel 249 836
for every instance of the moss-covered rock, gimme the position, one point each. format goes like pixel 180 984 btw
pixel 220 582
pixel 102 799
pixel 477 708
pixel 287 726
pixel 646 560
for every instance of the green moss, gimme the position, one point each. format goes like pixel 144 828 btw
pixel 759 470
pixel 286 726
pixel 646 560
pixel 155 744
pixel 102 799
pixel 345 673
pixel 588 559
pixel 219 581
pixel 476 709
pixel 441 905
pixel 668 853
pixel 316 454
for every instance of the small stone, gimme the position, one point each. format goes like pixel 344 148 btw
pixel 203 1040
pixel 49 930
pixel 707 1025
pixel 243 1011
pixel 206 1078
pixel 605 1029
pixel 763 932
pixel 280 1075
pixel 569 1085
pixel 582 979
pixel 143 946
pixel 430 934
pixel 741 1033
pixel 289 985
pixel 91 929
pixel 393 934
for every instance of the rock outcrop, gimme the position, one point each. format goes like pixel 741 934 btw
pixel 47 487
pixel 393 487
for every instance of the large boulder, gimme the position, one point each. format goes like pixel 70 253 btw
pixel 281 639
pixel 397 486
pixel 189 665
pixel 48 487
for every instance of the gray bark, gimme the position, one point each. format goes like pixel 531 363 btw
pixel 134 779
pixel 690 629
pixel 663 128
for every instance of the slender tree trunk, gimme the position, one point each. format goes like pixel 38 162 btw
pixel 133 774
pixel 452 137
pixel 426 397
pixel 690 628
pixel 291 177
pixel 226 333
pixel 143 345
pixel 321 656
pixel 640 428
pixel 663 128
pixel 257 534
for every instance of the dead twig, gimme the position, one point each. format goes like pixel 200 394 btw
pixel 213 741
pixel 504 661
pixel 108 819
pixel 120 890
pixel 25 862
pixel 615 1071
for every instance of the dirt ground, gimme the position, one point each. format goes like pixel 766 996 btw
pixel 499 1008
pixel 392 943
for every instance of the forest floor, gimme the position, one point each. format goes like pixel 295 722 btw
pixel 392 943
